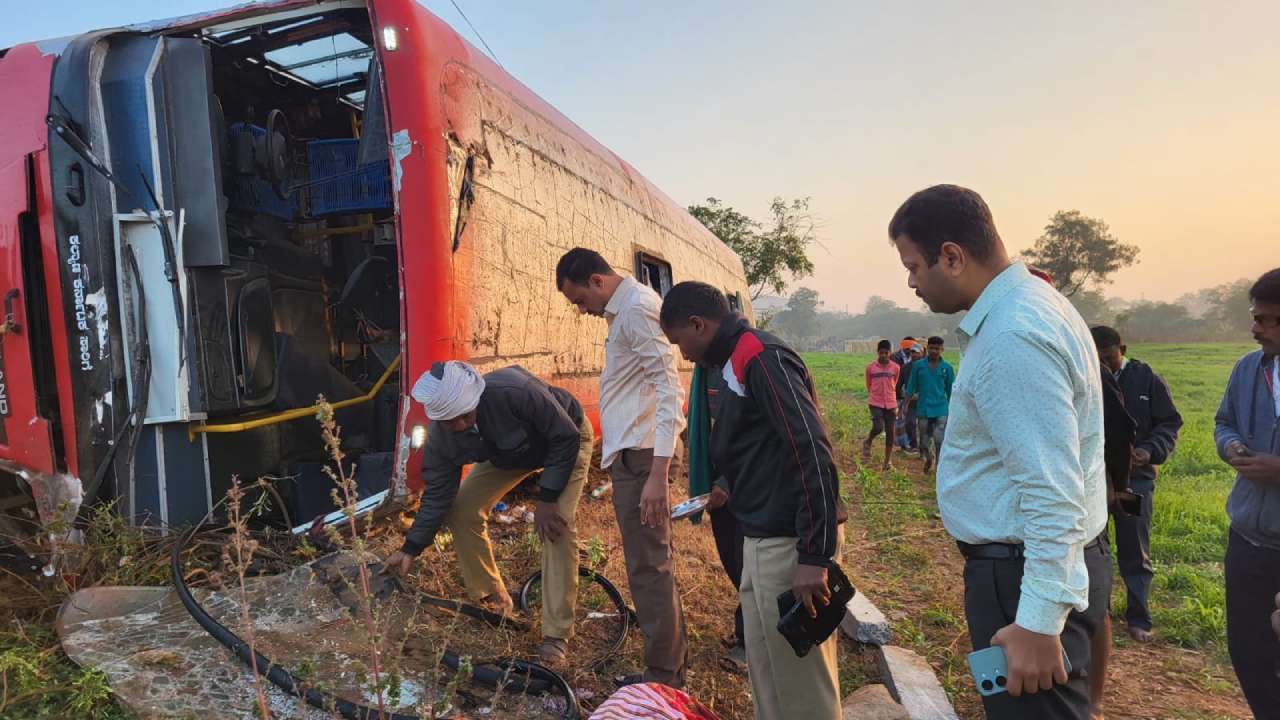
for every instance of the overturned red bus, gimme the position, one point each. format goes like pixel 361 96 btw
pixel 207 222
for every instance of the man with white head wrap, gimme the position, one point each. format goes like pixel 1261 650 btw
pixel 506 425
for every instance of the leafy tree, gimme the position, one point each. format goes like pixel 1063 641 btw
pixel 1227 314
pixel 799 321
pixel 771 252
pixel 1078 250
pixel 1094 307
pixel 1157 321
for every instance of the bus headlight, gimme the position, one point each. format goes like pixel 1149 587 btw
pixel 419 437
pixel 390 38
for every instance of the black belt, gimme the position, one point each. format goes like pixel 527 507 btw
pixel 1004 551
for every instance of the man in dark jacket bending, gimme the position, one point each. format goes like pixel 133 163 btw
pixel 769 443
pixel 509 424
pixel 1148 401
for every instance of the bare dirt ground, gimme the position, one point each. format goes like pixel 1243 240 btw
pixel 896 551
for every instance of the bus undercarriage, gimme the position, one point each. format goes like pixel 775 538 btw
pixel 230 249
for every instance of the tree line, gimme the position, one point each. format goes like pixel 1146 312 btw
pixel 1079 252
pixel 1214 314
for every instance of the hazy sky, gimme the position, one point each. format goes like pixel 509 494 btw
pixel 1162 118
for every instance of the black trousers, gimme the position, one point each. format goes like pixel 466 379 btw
pixel 728 534
pixel 991 592
pixel 1253 579
pixel 1133 555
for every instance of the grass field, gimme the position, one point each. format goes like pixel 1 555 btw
pixel 896 551
pixel 898 515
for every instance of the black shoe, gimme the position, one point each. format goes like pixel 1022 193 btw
pixel 625 680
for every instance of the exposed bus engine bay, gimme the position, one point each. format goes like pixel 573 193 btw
pixel 251 264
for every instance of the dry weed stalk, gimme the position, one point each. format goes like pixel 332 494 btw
pixel 237 557
pixel 345 496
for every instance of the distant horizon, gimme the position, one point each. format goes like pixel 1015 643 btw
pixel 919 304
pixel 1153 116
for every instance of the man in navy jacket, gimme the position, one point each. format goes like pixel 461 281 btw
pixel 1148 401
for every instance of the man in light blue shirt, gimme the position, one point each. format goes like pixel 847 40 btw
pixel 1021 479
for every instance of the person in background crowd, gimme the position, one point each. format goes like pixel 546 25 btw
pixel 1149 403
pixel 641 418
pixel 1248 438
pixel 506 425
pixel 902 355
pixel 1021 482
pixel 882 383
pixel 930 388
pixel 906 426
pixel 771 445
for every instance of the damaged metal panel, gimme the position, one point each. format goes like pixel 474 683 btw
pixel 538 192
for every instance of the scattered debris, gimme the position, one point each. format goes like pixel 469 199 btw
pixel 872 702
pixel 865 623
pixel 910 679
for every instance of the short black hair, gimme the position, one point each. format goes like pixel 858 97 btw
pixel 579 264
pixel 909 338
pixel 1267 289
pixel 1105 337
pixel 883 345
pixel 935 340
pixel 943 214
pixel 691 298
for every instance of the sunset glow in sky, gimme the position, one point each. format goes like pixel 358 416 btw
pixel 1162 118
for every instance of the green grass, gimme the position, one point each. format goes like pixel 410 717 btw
pixel 1189 530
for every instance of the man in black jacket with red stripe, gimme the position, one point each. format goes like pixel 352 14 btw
pixel 769 442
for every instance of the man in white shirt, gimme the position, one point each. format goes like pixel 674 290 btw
pixel 1021 484
pixel 641 417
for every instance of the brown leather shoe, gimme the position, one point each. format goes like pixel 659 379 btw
pixel 553 651
pixel 1141 636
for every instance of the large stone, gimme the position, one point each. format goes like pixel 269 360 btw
pixel 864 622
pixel 872 702
pixel 911 681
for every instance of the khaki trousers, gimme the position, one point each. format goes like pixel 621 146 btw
pixel 783 686
pixel 468 521
pixel 649 572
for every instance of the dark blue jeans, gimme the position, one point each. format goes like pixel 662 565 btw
pixel 1253 579
pixel 1133 555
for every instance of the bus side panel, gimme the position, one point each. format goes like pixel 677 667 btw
pixel 25 438
pixel 418 150
pixel 539 191
pixel 493 185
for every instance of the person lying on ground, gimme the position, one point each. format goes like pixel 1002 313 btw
pixel 506 425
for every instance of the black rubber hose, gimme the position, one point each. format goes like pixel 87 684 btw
pixel 283 679
pixel 625 613
pixel 278 676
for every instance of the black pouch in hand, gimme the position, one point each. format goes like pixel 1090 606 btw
pixel 802 631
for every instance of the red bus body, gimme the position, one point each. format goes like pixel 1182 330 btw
pixel 475 278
